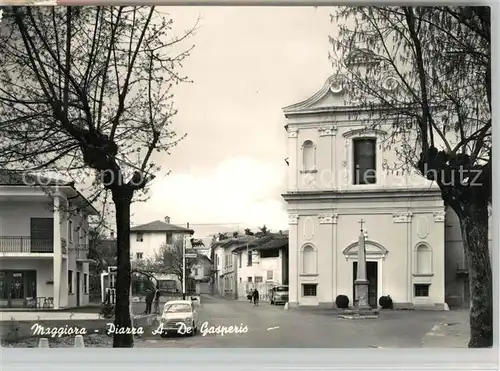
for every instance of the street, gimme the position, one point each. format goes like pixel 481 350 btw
pixel 273 327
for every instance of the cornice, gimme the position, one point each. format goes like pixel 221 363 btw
pixel 364 131
pixel 362 194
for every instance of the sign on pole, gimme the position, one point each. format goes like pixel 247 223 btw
pixel 190 256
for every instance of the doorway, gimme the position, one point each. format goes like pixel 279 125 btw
pixel 77 289
pixel 372 277
pixel 42 235
pixel 16 287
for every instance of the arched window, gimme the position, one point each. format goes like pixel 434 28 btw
pixel 309 260
pixel 309 155
pixel 423 259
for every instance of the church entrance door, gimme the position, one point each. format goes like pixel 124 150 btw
pixel 372 277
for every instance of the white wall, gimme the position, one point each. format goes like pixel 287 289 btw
pixel 201 270
pixel 43 269
pixel 152 241
pixel 15 221
pixel 15 216
pixel 330 238
pixel 259 267
pixel 45 273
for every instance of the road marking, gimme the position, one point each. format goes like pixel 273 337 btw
pixel 272 328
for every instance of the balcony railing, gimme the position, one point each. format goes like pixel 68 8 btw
pixel 80 251
pixel 27 244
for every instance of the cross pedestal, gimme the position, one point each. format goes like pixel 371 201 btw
pixel 363 310
pixel 361 290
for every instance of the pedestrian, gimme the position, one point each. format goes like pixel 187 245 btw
pixel 149 301
pixel 157 300
pixel 255 296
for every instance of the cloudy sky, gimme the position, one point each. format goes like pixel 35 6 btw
pixel 248 63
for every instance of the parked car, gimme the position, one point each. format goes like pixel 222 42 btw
pixel 179 316
pixel 278 295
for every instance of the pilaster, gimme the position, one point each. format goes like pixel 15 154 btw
pixel 293 159
pixel 293 257
pixel 57 260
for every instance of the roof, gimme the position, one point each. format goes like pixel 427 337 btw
pixel 266 242
pixel 18 178
pixel 276 243
pixel 238 241
pixel 159 226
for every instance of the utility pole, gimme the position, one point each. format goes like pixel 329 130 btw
pixel 184 268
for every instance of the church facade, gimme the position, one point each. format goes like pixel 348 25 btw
pixel 339 180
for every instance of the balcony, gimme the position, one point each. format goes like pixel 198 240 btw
pixel 28 245
pixel 80 251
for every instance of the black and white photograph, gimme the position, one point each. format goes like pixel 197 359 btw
pixel 246 176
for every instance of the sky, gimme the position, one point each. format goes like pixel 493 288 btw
pixel 247 65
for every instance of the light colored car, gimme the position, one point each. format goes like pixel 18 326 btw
pixel 179 316
pixel 278 295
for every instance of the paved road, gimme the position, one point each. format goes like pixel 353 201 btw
pixel 273 327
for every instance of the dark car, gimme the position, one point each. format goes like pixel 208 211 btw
pixel 279 295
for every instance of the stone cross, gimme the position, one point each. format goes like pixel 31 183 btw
pixel 361 283
pixel 361 222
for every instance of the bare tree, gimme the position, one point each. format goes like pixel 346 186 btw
pixel 169 260
pixel 425 72
pixel 87 92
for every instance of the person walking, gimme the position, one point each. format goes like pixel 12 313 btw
pixel 255 296
pixel 149 301
pixel 157 300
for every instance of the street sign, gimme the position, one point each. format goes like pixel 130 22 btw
pixel 190 256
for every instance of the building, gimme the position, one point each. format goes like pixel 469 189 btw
pixel 147 239
pixel 224 275
pixel 246 262
pixel 262 263
pixel 224 262
pixel 43 243
pixel 201 272
pixel 339 179
pixel 217 255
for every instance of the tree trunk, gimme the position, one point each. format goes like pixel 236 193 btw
pixel 474 225
pixel 123 274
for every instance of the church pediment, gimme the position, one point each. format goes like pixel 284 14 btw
pixel 371 247
pixel 332 94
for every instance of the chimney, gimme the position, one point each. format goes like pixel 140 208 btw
pixel 187 224
pixel 167 219
pixel 112 235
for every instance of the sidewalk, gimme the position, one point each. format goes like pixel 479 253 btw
pixel 451 333
pixel 47 316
